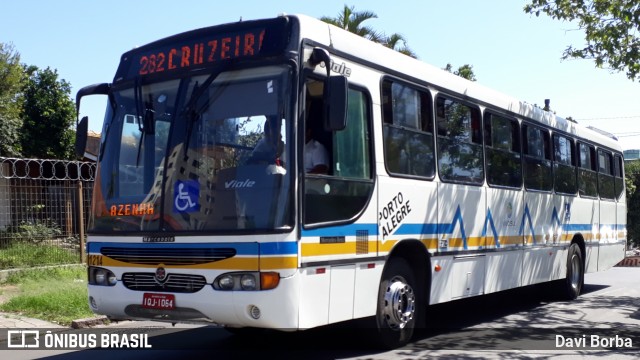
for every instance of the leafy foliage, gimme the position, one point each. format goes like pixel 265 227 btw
pixel 352 20
pixel 632 178
pixel 49 115
pixel 464 71
pixel 11 75
pixel 611 30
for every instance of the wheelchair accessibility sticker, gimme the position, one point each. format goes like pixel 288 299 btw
pixel 185 196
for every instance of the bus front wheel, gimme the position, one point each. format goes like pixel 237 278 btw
pixel 397 304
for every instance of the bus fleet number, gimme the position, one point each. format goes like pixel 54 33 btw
pixel 94 260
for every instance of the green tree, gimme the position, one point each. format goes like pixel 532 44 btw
pixel 465 71
pixel 352 21
pixel 398 43
pixel 611 27
pixel 632 179
pixel 48 116
pixel 11 76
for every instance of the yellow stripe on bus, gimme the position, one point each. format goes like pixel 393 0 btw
pixel 280 262
pixel 234 263
pixel 346 248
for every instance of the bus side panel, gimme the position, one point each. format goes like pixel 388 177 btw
pixel 367 280
pixel 607 228
pixel 502 232
pixel 314 297
pixel 538 230
pixel 440 280
pixel 341 292
pixel 584 215
pixel 461 216
pixel 610 250
pixel 610 254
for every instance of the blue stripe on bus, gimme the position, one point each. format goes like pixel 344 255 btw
pixel 344 230
pixel 269 248
pixel 423 229
pixel 577 227
pixel 279 248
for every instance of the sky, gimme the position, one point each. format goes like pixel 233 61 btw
pixel 512 52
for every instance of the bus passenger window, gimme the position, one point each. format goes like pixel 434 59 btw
pixel 564 165
pixel 606 187
pixel 587 175
pixel 502 144
pixel 408 130
pixel 537 158
pixel 459 142
pixel 618 175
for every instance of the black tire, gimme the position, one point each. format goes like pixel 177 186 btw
pixel 575 273
pixel 398 304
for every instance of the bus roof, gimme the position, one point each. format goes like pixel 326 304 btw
pixel 345 42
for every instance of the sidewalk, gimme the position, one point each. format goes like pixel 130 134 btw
pixel 8 320
pixel 15 321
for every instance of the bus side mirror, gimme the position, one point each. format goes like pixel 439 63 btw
pixel 82 126
pixel 81 136
pixel 335 100
pixel 334 93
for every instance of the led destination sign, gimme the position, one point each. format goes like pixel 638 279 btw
pixel 186 55
pixel 205 47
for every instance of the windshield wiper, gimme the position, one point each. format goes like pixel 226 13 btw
pixel 192 114
pixel 137 95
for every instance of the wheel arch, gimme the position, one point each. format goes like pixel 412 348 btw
pixel 416 254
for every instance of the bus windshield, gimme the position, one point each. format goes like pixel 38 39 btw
pixel 206 152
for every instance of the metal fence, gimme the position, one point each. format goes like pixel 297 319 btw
pixel 40 206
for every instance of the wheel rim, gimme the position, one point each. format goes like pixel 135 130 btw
pixel 399 303
pixel 575 272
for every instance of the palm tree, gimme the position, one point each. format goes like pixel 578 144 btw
pixel 398 43
pixel 352 20
pixel 464 71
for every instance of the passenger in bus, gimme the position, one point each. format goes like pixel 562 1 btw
pixel 316 158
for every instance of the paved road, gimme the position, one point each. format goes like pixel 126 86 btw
pixel 525 323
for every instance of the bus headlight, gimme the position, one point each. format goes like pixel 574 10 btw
pixel 247 281
pixel 102 277
pixel 225 282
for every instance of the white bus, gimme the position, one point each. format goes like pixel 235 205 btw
pixel 435 188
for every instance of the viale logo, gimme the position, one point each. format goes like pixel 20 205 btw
pixel 235 184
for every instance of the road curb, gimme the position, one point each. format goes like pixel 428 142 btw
pixel 89 322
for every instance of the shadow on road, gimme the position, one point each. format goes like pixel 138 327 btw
pixel 525 319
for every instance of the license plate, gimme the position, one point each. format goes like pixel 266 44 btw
pixel 159 301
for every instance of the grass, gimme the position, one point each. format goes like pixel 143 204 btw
pixel 58 295
pixel 24 254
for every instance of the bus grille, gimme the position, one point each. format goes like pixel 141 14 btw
pixel 179 283
pixel 169 256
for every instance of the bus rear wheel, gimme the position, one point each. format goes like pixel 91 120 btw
pixel 575 273
pixel 397 305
